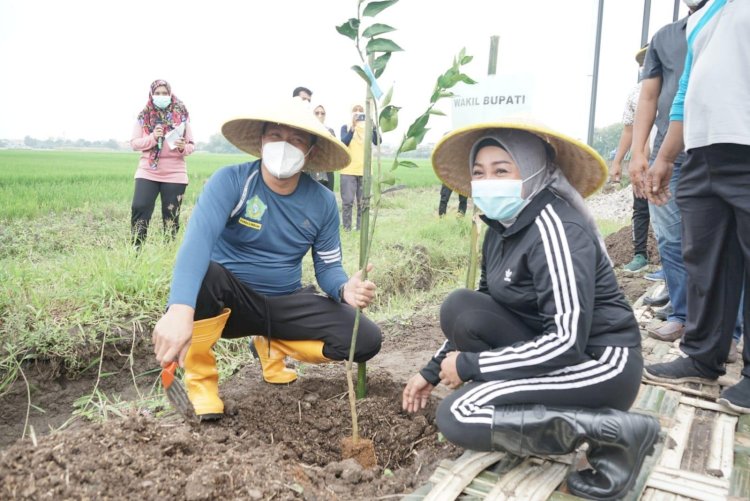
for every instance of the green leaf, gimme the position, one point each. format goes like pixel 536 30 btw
pixel 466 59
pixel 387 473
pixel 409 145
pixel 373 8
pixel 388 179
pixel 350 28
pixel 388 118
pixel 408 164
pixel 416 128
pixel 379 64
pixel 439 113
pixel 387 99
pixel 377 29
pixel 382 45
pixel 466 79
pixel 359 71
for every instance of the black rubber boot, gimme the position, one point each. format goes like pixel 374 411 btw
pixel 618 442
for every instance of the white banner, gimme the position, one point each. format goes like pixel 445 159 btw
pixel 493 98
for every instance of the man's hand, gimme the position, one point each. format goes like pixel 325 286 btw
pixel 449 373
pixel 357 292
pixel 416 393
pixel 172 334
pixel 615 173
pixel 637 169
pixel 657 181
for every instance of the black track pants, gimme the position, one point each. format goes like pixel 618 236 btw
pixel 303 315
pixel 604 377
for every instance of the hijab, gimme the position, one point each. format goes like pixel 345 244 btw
pixel 538 171
pixel 170 117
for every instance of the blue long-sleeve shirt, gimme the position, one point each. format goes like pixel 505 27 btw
pixel 259 235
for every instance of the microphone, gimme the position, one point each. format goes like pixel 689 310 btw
pixel 160 141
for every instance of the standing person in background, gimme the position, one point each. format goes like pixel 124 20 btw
pixel 162 169
pixel 327 179
pixel 445 196
pixel 710 119
pixel 303 93
pixel 640 205
pixel 662 68
pixel 353 135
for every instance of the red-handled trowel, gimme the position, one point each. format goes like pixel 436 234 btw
pixel 176 393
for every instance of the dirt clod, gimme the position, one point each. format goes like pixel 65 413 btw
pixel 363 452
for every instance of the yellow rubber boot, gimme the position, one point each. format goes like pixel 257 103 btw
pixel 201 374
pixel 310 351
pixel 275 370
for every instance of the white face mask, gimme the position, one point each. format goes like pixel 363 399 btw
pixel 692 4
pixel 282 159
pixel 161 102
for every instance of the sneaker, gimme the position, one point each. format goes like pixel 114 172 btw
pixel 638 263
pixel 663 313
pixel 733 355
pixel 656 276
pixel 660 297
pixel 737 397
pixel 680 370
pixel 668 331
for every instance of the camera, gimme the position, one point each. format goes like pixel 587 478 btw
pixel 359 117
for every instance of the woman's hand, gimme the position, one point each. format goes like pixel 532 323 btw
pixel 180 143
pixel 158 132
pixel 172 334
pixel 449 372
pixel 416 393
pixel 357 292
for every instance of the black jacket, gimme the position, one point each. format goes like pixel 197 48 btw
pixel 548 269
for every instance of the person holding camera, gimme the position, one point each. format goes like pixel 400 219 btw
pixel 353 136
pixel 163 136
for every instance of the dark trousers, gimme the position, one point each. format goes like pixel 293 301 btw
pixel 713 195
pixel 445 196
pixel 351 192
pixel 640 226
pixel 303 315
pixel 144 199
pixel 474 322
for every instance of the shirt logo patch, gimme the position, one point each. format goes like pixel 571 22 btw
pixel 254 210
pixel 508 274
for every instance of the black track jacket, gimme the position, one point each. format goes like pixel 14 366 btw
pixel 548 269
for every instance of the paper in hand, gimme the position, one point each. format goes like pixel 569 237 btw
pixel 175 134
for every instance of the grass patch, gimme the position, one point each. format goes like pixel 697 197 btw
pixel 71 283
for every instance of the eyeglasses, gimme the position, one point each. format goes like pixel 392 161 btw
pixel 320 113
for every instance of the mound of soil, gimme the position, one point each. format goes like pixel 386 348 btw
pixel 275 442
pixel 620 247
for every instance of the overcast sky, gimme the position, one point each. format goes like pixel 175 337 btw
pixel 82 68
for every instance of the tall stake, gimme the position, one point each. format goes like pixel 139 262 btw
pixel 471 273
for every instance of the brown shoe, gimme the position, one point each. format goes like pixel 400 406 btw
pixel 733 355
pixel 668 331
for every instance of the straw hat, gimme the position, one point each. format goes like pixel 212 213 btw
pixel 244 132
pixel 583 166
pixel 640 56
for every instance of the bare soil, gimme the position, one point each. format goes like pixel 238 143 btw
pixel 276 442
pixel 280 442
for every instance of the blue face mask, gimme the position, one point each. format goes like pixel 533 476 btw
pixel 499 199
pixel 161 102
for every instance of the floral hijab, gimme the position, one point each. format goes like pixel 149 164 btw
pixel 170 117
